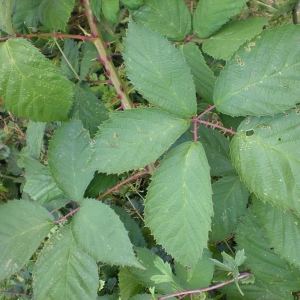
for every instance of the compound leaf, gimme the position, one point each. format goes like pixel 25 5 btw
pixel 265 152
pixel 131 139
pixel 64 270
pixel 171 18
pixel 25 224
pixel 98 229
pixel 282 229
pixel 263 262
pixel 210 15
pixel 30 85
pixel 159 72
pixel 69 155
pixel 262 78
pixel 55 14
pixel 180 200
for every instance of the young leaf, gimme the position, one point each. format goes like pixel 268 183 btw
pixel 69 155
pixel 5 16
pixel 159 72
pixel 31 86
pixel 64 270
pixel 204 78
pixel 265 152
pixel 25 224
pixel 179 200
pixel 55 14
pixel 230 198
pixel 100 232
pixel 253 84
pixel 282 229
pixel 210 16
pixel 230 37
pixel 171 18
pixel 134 138
pixel 110 9
pixel 263 262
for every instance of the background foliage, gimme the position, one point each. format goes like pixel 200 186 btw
pixel 149 149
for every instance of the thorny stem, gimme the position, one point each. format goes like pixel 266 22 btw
pixel 217 125
pixel 105 58
pixel 213 287
pixel 15 293
pixel 129 179
pixel 71 213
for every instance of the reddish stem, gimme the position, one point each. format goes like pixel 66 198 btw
pixel 217 125
pixel 205 112
pixel 71 213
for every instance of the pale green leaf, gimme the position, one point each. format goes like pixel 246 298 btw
pixel 41 186
pixel 263 262
pixel 69 155
pixel 128 284
pixel 180 200
pixel 171 18
pixel 88 108
pixel 64 270
pixel 263 77
pixel 282 229
pixel 110 9
pixel 134 138
pixel 55 14
pixel 133 4
pixel 230 198
pixel 199 276
pixel 30 85
pixel 159 72
pixel 23 225
pixel 210 15
pixel 265 152
pixel 204 78
pixel 100 232
pixel 5 16
pixel 230 37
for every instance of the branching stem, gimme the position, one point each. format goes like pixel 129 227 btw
pixel 71 213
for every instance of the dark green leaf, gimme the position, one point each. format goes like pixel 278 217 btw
pixel 133 4
pixel 90 54
pixel 110 9
pixel 69 61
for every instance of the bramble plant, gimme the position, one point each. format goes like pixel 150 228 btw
pixel 149 149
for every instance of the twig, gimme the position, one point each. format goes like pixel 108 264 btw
pixel 71 213
pixel 217 125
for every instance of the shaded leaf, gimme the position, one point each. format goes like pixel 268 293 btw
pixel 265 152
pixel 133 4
pixel 20 222
pixel 230 37
pixel 209 15
pixel 110 9
pixel 159 72
pixel 142 133
pixel 100 233
pixel 90 54
pixel 170 18
pixel 47 99
pixel 5 16
pixel 179 200
pixel 71 53
pixel 69 155
pixel 64 270
pixel 253 84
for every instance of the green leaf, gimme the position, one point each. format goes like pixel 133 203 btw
pixel 230 198
pixel 90 54
pixel 128 284
pixel 5 16
pixel 253 84
pixel 41 186
pixel 159 72
pixel 199 276
pixel 70 65
pixel 31 86
pixel 55 14
pixel 110 9
pixel 64 270
pixel 263 262
pixel 282 230
pixel 100 232
pixel 134 138
pixel 133 4
pixel 210 16
pixel 88 108
pixel 69 155
pixel 204 78
pixel 170 18
pixel 96 7
pixel 230 37
pixel 23 226
pixel 179 200
pixel 265 152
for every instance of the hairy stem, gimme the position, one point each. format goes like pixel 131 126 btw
pixel 105 58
